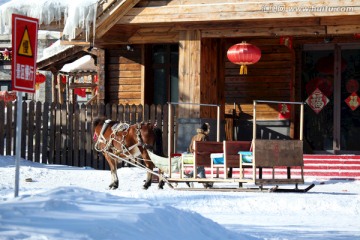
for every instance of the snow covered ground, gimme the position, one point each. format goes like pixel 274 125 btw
pixel 64 202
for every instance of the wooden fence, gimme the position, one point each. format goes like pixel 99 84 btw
pixel 55 133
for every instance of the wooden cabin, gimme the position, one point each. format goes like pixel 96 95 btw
pixel 159 51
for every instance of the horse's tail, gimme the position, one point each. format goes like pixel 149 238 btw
pixel 158 148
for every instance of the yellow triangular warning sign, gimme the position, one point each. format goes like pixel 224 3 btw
pixel 25 46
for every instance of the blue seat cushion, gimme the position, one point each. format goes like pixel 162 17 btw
pixel 246 156
pixel 217 158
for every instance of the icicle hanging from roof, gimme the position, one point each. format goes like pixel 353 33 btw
pixel 76 14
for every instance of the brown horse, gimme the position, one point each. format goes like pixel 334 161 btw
pixel 130 142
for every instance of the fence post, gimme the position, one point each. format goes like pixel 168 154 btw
pixel 64 142
pixel 70 134
pixel 88 136
pixel 82 135
pixel 139 113
pixel 76 140
pixel 10 126
pixel 165 128
pixel 31 126
pixel 57 133
pixel 2 126
pixel 52 132
pixel 45 133
pixel 38 129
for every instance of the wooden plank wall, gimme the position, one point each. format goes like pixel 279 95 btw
pixel 220 10
pixel 189 73
pixel 123 83
pixel 269 79
pixel 54 133
pixel 211 80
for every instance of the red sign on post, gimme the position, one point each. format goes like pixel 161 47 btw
pixel 24 47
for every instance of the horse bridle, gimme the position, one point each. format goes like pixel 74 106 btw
pixel 119 127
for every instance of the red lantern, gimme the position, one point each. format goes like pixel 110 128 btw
pixel 352 86
pixel 244 54
pixel 63 79
pixel 325 65
pixel 40 78
pixel 325 85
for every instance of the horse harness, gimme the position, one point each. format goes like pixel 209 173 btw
pixel 130 152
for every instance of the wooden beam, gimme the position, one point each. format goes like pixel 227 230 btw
pixel 77 43
pixel 60 59
pixel 113 13
pixel 254 31
pixel 340 20
pixel 53 26
pixel 210 10
pixel 343 29
pixel 82 85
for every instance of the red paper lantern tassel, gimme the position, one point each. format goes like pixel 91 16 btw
pixel 243 70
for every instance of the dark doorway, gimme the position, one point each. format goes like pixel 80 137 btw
pixel 330 86
pixel 162 81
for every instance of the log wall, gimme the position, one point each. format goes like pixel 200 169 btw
pixel 271 78
pixel 124 72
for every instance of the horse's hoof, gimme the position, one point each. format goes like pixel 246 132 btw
pixel 145 187
pixel 113 187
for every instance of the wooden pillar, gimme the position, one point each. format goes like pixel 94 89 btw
pixel 60 90
pixel 212 77
pixel 101 75
pixel 54 83
pixel 337 98
pixel 189 72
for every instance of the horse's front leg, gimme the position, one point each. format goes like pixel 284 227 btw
pixel 148 180
pixel 161 180
pixel 113 170
pixel 114 179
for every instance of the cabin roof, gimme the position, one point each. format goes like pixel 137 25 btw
pixel 58 60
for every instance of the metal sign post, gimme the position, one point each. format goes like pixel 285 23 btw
pixel 23 69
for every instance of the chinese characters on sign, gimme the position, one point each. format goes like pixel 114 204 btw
pixel 353 101
pixel 317 100
pixel 25 72
pixel 24 47
pixel 284 110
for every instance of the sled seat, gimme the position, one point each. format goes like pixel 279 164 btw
pixel 231 151
pixel 202 154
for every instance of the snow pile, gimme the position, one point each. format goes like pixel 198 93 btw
pixel 85 63
pixel 54 49
pixel 77 213
pixel 75 14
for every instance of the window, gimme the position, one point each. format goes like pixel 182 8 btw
pixel 162 81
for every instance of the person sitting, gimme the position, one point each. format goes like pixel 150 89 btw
pixel 202 134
